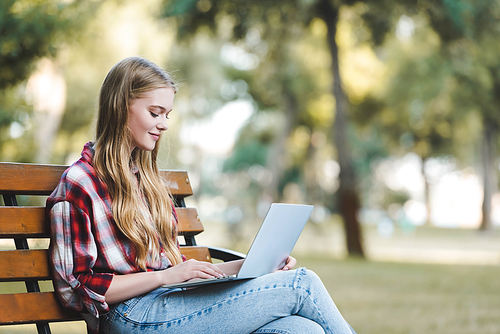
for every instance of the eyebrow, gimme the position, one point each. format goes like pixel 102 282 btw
pixel 163 109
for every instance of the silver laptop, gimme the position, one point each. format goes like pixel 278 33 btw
pixel 271 247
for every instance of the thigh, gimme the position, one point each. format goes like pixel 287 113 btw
pixel 235 307
pixel 293 324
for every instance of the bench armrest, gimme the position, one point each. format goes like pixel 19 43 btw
pixel 225 254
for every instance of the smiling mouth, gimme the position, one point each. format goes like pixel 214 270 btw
pixel 155 135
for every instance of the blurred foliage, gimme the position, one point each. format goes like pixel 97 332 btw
pixel 247 154
pixel 430 89
pixel 443 83
pixel 274 36
pixel 32 29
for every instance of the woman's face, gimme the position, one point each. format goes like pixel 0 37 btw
pixel 148 116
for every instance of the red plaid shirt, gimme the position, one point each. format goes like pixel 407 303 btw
pixel 87 248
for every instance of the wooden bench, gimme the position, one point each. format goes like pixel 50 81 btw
pixel 30 266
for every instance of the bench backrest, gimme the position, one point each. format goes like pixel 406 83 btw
pixel 21 223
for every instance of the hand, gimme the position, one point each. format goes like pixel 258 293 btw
pixel 189 270
pixel 289 264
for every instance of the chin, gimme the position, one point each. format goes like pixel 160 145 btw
pixel 146 148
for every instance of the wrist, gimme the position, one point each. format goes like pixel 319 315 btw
pixel 159 277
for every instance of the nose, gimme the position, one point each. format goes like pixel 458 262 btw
pixel 162 125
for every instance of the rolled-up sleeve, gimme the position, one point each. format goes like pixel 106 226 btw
pixel 73 254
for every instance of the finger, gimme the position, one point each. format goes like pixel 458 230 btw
pixel 290 263
pixel 216 270
pixel 210 269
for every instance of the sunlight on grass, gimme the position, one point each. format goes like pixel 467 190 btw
pixel 377 297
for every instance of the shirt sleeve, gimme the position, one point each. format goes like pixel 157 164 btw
pixel 73 253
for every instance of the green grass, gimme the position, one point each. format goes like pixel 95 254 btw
pixel 377 297
pixel 394 298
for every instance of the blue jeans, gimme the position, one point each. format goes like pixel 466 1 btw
pixel 286 302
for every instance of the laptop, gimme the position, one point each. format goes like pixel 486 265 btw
pixel 271 247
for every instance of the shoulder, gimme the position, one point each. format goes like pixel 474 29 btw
pixel 81 173
pixel 78 184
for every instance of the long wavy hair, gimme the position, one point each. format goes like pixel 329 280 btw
pixel 141 209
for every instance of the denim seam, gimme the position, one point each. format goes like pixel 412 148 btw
pixel 131 303
pixel 267 331
pixel 298 277
pixel 323 322
pixel 296 285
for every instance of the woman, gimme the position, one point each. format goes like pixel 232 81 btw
pixel 114 235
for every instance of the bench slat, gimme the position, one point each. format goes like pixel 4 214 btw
pixel 35 179
pixel 30 179
pixel 29 222
pixel 19 265
pixel 18 308
pixel 23 221
pixel 189 222
pixel 178 182
pixel 199 253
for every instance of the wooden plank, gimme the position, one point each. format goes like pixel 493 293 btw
pixel 29 222
pixel 177 182
pixel 199 253
pixel 19 265
pixel 23 221
pixel 189 222
pixel 29 179
pixel 36 179
pixel 23 308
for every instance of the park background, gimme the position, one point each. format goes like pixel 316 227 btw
pixel 382 114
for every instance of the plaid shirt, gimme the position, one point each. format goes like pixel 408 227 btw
pixel 87 248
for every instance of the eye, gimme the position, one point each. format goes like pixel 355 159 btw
pixel 153 114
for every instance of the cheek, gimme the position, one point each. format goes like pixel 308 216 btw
pixel 135 127
pixel 135 123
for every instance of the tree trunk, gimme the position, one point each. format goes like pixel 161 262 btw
pixel 427 194
pixel 347 192
pixel 277 153
pixel 489 177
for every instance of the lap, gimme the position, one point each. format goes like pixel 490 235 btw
pixel 237 307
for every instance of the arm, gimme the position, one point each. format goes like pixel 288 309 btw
pixel 123 287
pixel 72 255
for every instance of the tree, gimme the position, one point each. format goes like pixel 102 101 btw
pixel 466 52
pixel 31 30
pixel 289 16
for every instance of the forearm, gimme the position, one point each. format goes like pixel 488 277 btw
pixel 124 287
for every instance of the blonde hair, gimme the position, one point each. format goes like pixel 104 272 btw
pixel 141 209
